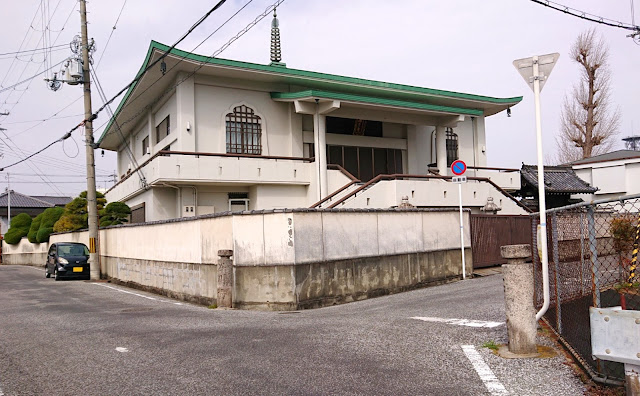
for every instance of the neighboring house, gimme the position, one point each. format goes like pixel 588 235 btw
pixel 31 205
pixel 562 187
pixel 197 135
pixel 614 174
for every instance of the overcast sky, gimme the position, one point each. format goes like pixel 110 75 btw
pixel 456 45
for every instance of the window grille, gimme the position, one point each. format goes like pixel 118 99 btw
pixel 452 146
pixel 244 131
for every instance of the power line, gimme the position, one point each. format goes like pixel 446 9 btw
pixel 40 120
pixel 22 43
pixel 54 47
pixel 30 78
pixel 111 34
pixel 32 166
pixel 261 16
pixel 49 118
pixel 586 16
pixel 142 73
pixel 94 116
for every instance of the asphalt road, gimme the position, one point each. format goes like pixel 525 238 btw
pixel 85 338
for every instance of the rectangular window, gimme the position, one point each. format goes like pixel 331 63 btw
pixel 145 145
pixel 163 129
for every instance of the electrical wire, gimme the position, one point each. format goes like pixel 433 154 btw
pixel 53 48
pixel 586 16
pixel 21 44
pixel 132 157
pixel 40 120
pixel 104 50
pixel 142 73
pixel 32 166
pixel 77 148
pixel 267 11
pixel 94 115
pixel 30 78
pixel 49 118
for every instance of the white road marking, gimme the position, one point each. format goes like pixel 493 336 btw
pixel 127 292
pixel 459 322
pixel 121 349
pixel 494 386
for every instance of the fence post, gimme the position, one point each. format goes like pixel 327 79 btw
pixel 225 279
pixel 518 292
pixel 556 269
pixel 593 246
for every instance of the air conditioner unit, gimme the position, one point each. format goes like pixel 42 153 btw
pixel 148 150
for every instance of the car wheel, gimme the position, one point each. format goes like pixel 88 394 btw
pixel 46 272
pixel 56 274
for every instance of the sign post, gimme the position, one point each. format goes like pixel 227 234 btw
pixel 458 168
pixel 535 71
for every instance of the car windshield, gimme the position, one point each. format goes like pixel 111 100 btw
pixel 72 250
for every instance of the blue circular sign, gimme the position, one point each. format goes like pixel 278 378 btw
pixel 458 167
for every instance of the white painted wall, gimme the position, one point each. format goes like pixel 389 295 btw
pixel 432 193
pixel 613 178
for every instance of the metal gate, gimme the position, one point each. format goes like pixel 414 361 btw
pixel 489 232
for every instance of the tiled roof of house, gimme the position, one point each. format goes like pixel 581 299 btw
pixel 58 201
pixel 23 201
pixel 612 156
pixel 557 179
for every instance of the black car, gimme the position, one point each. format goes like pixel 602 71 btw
pixel 67 260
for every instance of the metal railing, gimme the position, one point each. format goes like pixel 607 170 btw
pixel 591 263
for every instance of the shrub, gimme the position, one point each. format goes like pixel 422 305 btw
pixel 114 213
pixel 19 228
pixel 623 232
pixel 49 217
pixel 33 230
pixel 75 216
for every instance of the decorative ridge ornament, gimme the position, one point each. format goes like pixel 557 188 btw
pixel 276 53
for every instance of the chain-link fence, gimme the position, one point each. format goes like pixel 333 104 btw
pixel 592 258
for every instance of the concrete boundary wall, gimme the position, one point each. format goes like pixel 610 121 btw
pixel 282 259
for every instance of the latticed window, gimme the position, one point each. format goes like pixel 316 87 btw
pixel 452 146
pixel 244 131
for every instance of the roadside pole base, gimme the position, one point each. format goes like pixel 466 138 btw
pixel 543 352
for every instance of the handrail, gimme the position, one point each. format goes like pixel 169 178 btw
pixel 344 171
pixel 490 168
pixel 198 154
pixel 354 180
pixel 402 176
pixel 338 191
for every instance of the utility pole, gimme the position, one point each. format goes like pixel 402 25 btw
pixel 92 204
pixel 8 202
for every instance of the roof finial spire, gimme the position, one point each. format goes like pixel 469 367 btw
pixel 276 53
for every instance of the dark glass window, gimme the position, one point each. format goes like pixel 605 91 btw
pixel 145 145
pixel 244 131
pixel 365 163
pixel 452 146
pixel 348 126
pixel 163 129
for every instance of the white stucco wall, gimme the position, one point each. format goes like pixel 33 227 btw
pixel 432 193
pixel 213 103
pixel 613 178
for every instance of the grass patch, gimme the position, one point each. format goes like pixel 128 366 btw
pixel 212 306
pixel 491 345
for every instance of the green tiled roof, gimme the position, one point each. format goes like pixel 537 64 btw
pixel 371 87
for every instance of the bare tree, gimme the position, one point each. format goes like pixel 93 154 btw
pixel 588 125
